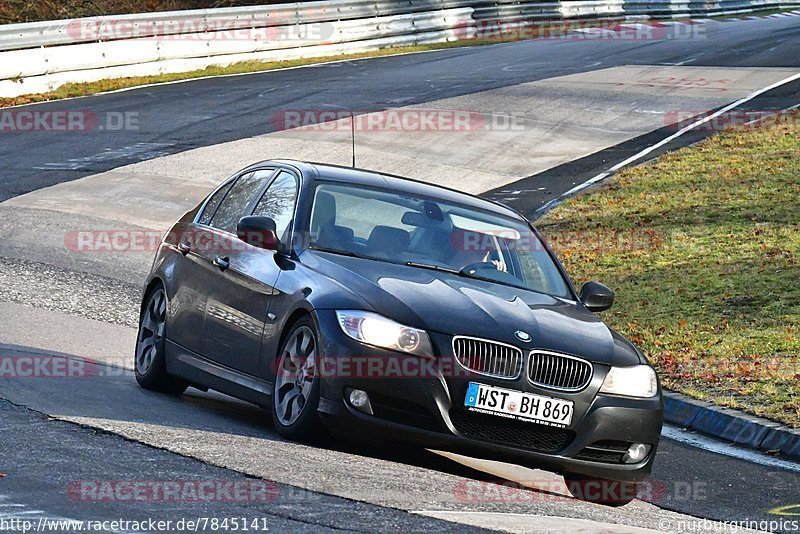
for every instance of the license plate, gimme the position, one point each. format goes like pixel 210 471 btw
pixel 518 405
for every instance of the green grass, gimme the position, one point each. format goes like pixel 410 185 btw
pixel 710 288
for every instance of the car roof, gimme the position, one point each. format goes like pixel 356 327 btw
pixel 336 173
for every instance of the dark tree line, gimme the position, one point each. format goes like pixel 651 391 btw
pixel 12 11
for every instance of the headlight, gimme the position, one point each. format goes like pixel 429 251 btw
pixel 636 381
pixel 374 329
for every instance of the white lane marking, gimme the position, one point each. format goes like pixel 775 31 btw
pixel 684 62
pixel 138 152
pixel 781 112
pixel 36 514
pixel 602 176
pixel 466 512
pixel 712 445
pixel 544 523
pixel 25 512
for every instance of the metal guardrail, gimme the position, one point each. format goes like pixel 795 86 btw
pixel 63 32
pixel 39 56
pixel 94 54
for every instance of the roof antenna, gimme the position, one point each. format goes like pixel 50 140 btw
pixel 353 136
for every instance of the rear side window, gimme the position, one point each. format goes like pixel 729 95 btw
pixel 235 203
pixel 213 203
pixel 278 203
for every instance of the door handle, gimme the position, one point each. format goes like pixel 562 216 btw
pixel 184 248
pixel 222 263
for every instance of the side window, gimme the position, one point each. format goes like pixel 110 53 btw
pixel 213 202
pixel 278 203
pixel 235 203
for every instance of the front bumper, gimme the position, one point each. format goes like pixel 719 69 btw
pixel 426 407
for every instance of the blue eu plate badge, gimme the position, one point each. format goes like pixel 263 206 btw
pixel 472 394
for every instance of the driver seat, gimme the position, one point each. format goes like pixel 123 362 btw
pixel 388 241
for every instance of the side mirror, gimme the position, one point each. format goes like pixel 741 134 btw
pixel 596 297
pixel 258 232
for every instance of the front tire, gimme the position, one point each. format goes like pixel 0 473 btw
pixel 295 395
pixel 150 359
pixel 612 493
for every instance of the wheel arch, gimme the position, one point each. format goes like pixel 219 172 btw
pixel 295 316
pixel 149 288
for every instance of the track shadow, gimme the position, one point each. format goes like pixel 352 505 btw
pixel 102 392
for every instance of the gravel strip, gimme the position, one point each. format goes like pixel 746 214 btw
pixel 77 293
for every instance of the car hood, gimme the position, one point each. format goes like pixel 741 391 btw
pixel 455 305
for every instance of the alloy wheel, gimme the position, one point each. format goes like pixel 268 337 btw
pixel 295 377
pixel 151 331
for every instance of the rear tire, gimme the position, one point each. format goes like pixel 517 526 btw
pixel 612 493
pixel 150 358
pixel 296 392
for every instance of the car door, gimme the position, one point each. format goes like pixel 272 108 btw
pixel 188 271
pixel 239 296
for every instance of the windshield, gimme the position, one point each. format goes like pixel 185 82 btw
pixel 425 233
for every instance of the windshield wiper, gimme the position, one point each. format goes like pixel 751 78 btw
pixel 432 267
pixel 338 251
pixel 467 274
pixel 502 278
pixel 332 250
pixel 419 264
pixel 348 253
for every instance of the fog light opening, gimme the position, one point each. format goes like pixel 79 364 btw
pixel 359 400
pixel 636 453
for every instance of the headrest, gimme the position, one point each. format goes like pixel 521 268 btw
pixel 324 211
pixel 387 239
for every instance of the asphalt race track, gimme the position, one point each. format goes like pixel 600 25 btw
pixel 182 116
pixel 586 104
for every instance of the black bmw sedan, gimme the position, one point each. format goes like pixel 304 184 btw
pixel 348 299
